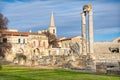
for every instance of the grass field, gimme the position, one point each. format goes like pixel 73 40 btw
pixel 18 73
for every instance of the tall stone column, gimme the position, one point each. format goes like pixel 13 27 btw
pixel 90 29
pixel 83 14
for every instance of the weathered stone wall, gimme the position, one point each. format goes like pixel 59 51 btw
pixel 103 47
pixel 107 52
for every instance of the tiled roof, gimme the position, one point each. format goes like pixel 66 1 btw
pixel 15 33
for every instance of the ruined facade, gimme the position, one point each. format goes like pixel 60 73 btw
pixel 23 42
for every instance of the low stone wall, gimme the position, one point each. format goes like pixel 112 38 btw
pixel 101 69
pixel 108 68
pixel 116 72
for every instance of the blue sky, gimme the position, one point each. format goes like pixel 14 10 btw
pixel 35 15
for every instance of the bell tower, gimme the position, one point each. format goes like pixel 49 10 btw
pixel 52 27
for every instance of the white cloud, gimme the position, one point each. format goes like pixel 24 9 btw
pixel 36 15
pixel 107 30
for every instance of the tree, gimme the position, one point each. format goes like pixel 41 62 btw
pixel 3 46
pixel 52 40
pixel 3 26
pixel 3 22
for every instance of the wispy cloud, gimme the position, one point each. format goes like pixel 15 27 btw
pixel 72 33
pixel 107 30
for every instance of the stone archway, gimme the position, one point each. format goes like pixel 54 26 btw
pixel 35 56
pixel 36 50
pixel 20 58
pixel 20 50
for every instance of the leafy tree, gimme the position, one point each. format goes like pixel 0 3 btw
pixel 52 40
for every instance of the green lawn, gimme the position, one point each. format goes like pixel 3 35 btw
pixel 17 73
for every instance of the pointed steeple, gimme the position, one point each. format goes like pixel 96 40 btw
pixel 52 24
pixel 52 27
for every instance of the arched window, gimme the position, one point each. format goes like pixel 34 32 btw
pixel 18 40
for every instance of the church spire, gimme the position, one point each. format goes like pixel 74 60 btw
pixel 52 27
pixel 52 24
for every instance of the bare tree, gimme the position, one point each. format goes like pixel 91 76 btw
pixel 4 47
pixel 3 26
pixel 52 40
pixel 3 22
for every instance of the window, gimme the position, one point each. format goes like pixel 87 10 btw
pixel 53 30
pixel 44 44
pixel 39 43
pixel 4 40
pixel 18 40
pixel 23 41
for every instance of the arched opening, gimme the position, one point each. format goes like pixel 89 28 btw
pixel 36 50
pixel 20 51
pixel 20 58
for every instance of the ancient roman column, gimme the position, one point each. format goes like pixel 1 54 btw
pixel 88 10
pixel 90 31
pixel 83 14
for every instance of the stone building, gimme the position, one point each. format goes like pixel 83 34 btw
pixel 68 42
pixel 27 43
pixel 23 42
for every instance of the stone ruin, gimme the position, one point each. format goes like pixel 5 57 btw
pixel 69 58
pixel 72 59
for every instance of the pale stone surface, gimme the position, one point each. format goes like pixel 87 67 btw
pixel 90 28
pixel 84 44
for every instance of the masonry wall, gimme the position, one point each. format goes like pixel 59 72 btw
pixel 103 53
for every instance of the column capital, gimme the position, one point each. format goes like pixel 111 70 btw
pixel 87 8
